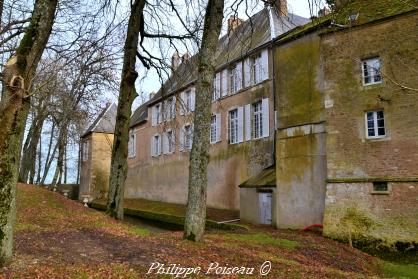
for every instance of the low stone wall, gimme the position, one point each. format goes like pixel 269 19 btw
pixel 378 221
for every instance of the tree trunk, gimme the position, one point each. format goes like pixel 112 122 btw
pixel 48 164
pixel 14 108
pixel 62 143
pixel 194 226
pixel 27 167
pixel 38 175
pixel 127 94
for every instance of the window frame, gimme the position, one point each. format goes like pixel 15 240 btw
pixel 233 79
pixel 132 145
pixel 257 114
pixel 85 153
pixel 170 142
pixel 365 67
pixel 188 100
pixel 156 139
pixel 256 69
pixel 188 137
pixel 213 128
pixel 233 122
pixel 375 124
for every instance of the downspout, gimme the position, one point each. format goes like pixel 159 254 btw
pixel 272 37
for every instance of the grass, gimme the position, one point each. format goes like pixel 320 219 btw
pixel 395 270
pixel 264 239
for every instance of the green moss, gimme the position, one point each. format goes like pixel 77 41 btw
pixel 400 270
pixel 140 231
pixel 263 239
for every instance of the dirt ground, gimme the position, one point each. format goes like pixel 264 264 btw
pixel 59 238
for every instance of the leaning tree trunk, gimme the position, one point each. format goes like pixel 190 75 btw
pixel 194 226
pixel 14 108
pixel 127 94
pixel 62 143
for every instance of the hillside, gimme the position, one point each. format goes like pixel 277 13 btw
pixel 59 238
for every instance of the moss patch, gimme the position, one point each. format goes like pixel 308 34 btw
pixel 264 239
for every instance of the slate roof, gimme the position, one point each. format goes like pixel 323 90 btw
pixel 250 35
pixel 105 122
pixel 265 178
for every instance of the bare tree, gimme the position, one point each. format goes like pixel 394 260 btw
pixel 18 74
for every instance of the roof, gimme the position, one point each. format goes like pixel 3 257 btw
pixel 105 122
pixel 247 37
pixel 265 178
pixel 368 11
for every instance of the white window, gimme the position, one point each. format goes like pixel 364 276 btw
pixel 371 71
pixel 132 145
pixel 235 78
pixel 187 140
pixel 257 69
pixel 233 126
pixel 156 145
pixel 156 115
pixel 216 94
pixel 170 108
pixel 257 120
pixel 375 124
pixel 215 128
pixel 85 153
pixel 169 142
pixel 188 101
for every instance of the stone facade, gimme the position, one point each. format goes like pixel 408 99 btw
pixel 354 160
pixel 95 168
pixel 165 177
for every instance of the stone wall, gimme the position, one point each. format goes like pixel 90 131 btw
pixel 353 160
pixel 165 178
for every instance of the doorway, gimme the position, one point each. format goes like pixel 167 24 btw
pixel 265 201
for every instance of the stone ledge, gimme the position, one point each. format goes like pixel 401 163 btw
pixel 371 179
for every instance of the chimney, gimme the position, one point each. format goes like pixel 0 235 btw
pixel 175 61
pixel 280 5
pixel 185 57
pixel 233 22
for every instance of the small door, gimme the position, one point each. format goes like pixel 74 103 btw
pixel 265 208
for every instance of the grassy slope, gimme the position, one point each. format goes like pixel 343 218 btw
pixel 58 238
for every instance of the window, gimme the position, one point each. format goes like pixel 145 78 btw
pixel 188 100
pixel 257 69
pixel 375 124
pixel 257 120
pixel 156 146
pixel 233 80
pixel 170 108
pixel 213 129
pixel 188 137
pixel 132 145
pixel 380 188
pixel 371 71
pixel 158 113
pixel 216 87
pixel 85 154
pixel 170 142
pixel 233 126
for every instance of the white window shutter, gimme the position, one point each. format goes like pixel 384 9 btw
pixel 152 146
pixel 239 75
pixel 247 122
pixel 265 63
pixel 159 146
pixel 182 103
pixel 247 72
pixel 153 116
pixel 181 147
pixel 218 85
pixel 192 98
pixel 218 127
pixel 165 143
pixel 240 124
pixel 224 83
pixel 134 145
pixel 266 117
pixel 173 107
